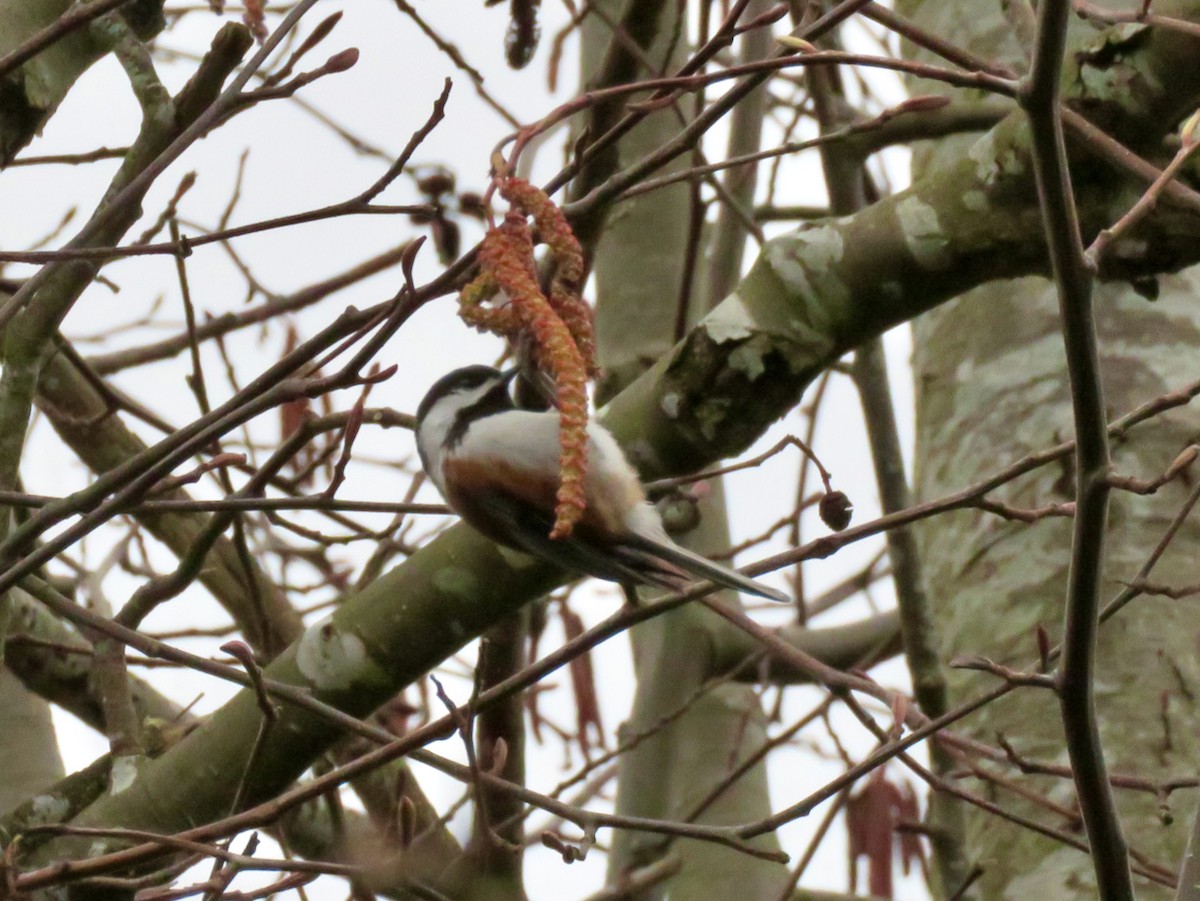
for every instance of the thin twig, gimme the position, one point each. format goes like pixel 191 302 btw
pixel 71 20
pixel 1140 210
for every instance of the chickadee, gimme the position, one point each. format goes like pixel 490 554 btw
pixel 497 467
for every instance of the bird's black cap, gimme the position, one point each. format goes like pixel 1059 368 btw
pixel 459 380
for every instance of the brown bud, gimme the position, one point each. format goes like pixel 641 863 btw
pixel 342 60
pixel 436 184
pixel 471 204
pixel 446 240
pixel 771 16
pixel 1165 814
pixel 521 41
pixel 406 822
pixel 836 510
pixel 499 756
pixel 570 853
pixel 1043 647
pixel 923 103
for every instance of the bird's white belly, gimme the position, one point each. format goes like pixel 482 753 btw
pixel 529 440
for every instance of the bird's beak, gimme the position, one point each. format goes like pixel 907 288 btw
pixel 541 383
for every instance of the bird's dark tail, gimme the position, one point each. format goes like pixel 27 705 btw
pixel 691 564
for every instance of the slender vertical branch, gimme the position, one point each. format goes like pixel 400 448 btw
pixel 745 137
pixel 1076 674
pixel 849 188
pixel 494 851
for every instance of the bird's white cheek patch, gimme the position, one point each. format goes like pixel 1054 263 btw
pixel 334 660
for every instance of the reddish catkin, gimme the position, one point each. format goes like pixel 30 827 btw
pixel 506 261
pixel 566 283
pixel 498 320
pixel 577 316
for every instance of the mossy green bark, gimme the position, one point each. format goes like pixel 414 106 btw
pixel 30 94
pixel 991 386
pixel 384 637
pixel 692 733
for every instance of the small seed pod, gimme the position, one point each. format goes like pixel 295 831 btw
pixel 836 510
pixel 436 184
pixel 470 204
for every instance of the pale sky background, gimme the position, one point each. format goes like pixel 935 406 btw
pixel 295 164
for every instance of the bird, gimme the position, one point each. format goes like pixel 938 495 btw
pixel 497 466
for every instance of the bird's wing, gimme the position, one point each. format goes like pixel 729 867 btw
pixel 509 505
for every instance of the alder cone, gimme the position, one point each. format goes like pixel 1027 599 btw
pixel 836 510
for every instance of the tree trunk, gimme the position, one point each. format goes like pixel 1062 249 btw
pixel 991 386
pixel 639 270
pixel 27 743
